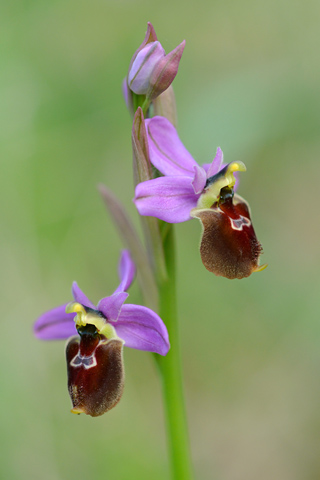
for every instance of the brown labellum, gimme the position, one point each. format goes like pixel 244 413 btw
pixel 229 246
pixel 95 372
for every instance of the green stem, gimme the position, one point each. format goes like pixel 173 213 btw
pixel 171 372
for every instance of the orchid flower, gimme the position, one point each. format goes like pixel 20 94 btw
pixel 229 246
pixel 94 353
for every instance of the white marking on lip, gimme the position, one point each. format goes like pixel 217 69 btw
pixel 239 223
pixel 84 361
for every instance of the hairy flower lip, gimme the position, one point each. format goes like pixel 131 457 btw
pixel 229 246
pixel 95 373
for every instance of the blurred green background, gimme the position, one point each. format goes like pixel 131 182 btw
pixel 249 82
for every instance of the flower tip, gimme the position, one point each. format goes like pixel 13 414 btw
pixel 77 410
pixel 260 268
pixel 182 45
pixel 151 34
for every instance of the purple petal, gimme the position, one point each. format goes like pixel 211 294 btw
pixel 142 329
pixel 111 306
pixel 167 198
pixel 55 324
pixel 216 164
pixel 167 152
pixel 80 297
pixel 199 180
pixel 126 271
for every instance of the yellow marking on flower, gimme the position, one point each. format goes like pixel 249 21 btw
pixel 80 318
pixel 261 267
pixel 77 410
pixel 84 318
pixel 108 331
pixel 212 192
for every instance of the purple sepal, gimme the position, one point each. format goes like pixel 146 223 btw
pixel 165 71
pixel 167 152
pixel 126 271
pixel 169 198
pixel 55 324
pixel 216 164
pixel 111 306
pixel 142 329
pixel 80 297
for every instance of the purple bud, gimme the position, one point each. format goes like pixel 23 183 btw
pixel 151 71
pixel 150 37
pixel 142 67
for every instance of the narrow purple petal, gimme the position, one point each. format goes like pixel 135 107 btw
pixel 142 329
pixel 199 180
pixel 126 271
pixel 216 164
pixel 167 198
pixel 55 324
pixel 80 297
pixel 111 306
pixel 167 152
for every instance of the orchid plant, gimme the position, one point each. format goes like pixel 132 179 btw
pixel 170 187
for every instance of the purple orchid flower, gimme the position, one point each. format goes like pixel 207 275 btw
pixel 94 356
pixel 229 246
pixel 185 185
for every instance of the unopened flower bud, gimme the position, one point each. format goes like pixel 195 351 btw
pixel 151 71
pixel 142 67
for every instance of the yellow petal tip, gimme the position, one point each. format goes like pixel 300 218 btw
pixel 259 268
pixel 77 410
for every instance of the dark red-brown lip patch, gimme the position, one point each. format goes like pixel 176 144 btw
pixel 95 373
pixel 229 246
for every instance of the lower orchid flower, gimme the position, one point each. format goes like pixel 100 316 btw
pixel 95 351
pixel 229 246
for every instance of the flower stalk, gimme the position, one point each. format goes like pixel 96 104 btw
pixel 171 371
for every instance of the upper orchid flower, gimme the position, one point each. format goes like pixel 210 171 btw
pixel 94 355
pixel 229 246
pixel 151 71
